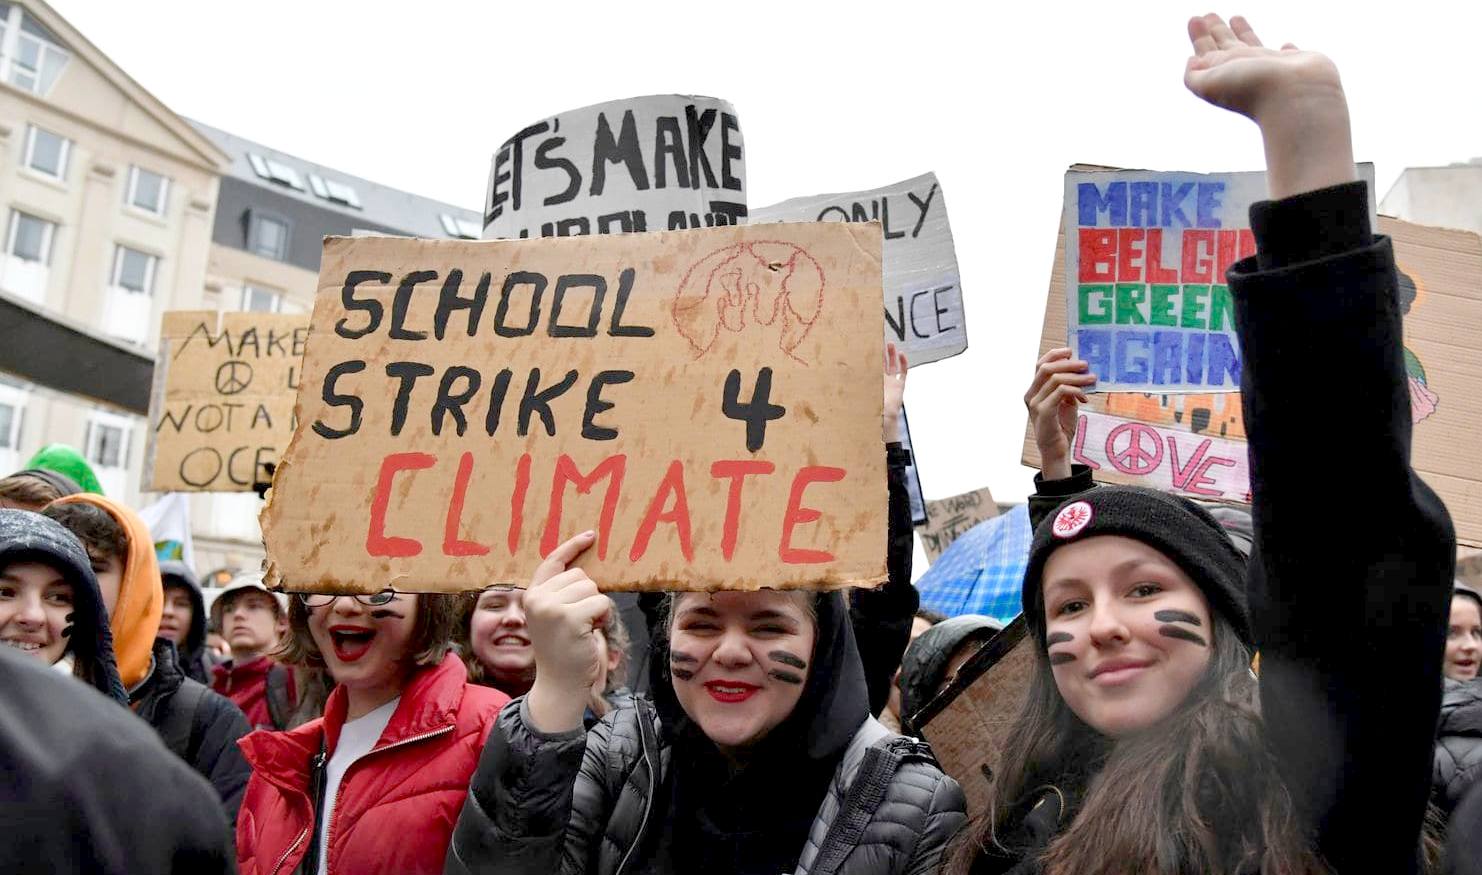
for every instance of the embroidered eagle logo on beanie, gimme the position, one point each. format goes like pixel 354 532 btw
pixel 1072 519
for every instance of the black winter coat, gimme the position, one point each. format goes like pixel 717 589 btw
pixel 1349 707
pixel 211 743
pixel 523 816
pixel 1458 743
pixel 89 788
pixel 192 655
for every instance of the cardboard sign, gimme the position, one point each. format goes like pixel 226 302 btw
pixel 923 292
pixel 1146 254
pixel 1203 436
pixel 707 401
pixel 948 518
pixel 968 723
pixel 222 403
pixel 647 164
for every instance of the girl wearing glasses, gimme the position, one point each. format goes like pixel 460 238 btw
pixel 376 784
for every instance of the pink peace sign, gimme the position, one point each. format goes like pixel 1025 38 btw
pixel 1139 454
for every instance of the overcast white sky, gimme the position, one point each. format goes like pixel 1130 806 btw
pixel 831 97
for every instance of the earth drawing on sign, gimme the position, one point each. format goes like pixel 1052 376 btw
pixel 769 288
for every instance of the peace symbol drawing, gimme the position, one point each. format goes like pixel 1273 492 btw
pixel 233 376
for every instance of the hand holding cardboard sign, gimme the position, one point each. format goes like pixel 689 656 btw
pixel 895 392
pixel 1053 399
pixel 1295 96
pixel 563 609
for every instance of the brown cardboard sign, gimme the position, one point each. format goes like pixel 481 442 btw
pixel 222 404
pixel 948 518
pixel 1195 444
pixel 968 723
pixel 706 401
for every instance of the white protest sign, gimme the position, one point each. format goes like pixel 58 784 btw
pixel 656 163
pixel 923 292
pixel 1145 260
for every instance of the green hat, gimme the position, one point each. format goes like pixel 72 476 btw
pixel 65 460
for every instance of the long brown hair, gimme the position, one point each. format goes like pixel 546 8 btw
pixel 1200 792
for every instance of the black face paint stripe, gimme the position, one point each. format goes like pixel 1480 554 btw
pixel 785 676
pixel 385 613
pixel 1171 616
pixel 1182 634
pixel 682 674
pixel 787 659
pixel 677 656
pixel 1058 638
pixel 1061 658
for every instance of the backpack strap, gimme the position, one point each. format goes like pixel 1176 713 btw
pixel 178 729
pixel 280 706
pixel 866 791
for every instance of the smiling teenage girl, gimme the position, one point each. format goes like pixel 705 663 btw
pixel 376 783
pixel 759 755
pixel 1146 744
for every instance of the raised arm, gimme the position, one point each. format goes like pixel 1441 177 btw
pixel 1351 575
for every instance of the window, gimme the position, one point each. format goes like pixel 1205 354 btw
pixel 28 244
pixel 134 270
pixel 31 58
pixel 461 228
pixel 30 238
pixel 148 191
pixel 46 153
pixel 267 236
pixel 334 191
pixel 275 171
pixel 12 416
pixel 261 300
pixel 107 442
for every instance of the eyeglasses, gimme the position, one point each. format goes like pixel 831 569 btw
pixel 320 599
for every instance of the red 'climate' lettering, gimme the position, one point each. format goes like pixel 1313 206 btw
pixel 611 468
pixel 517 502
pixel 679 515
pixel 796 513
pixel 377 543
pixel 452 544
pixel 736 469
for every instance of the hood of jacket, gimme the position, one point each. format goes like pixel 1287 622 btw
pixel 173 572
pixel 162 682
pixel 924 665
pixel 141 596
pixel 66 460
pixel 1461 708
pixel 30 536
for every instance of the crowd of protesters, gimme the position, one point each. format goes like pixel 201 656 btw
pixel 1212 691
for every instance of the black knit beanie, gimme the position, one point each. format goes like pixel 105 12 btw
pixel 1176 527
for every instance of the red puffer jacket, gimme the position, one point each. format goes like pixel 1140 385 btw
pixel 397 805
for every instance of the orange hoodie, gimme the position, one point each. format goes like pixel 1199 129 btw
pixel 141 595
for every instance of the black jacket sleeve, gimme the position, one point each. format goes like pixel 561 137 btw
pixel 882 616
pixel 219 724
pixel 1050 494
pixel 1351 575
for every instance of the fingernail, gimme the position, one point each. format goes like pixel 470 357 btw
pixel 589 534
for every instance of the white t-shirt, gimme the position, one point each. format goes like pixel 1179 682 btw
pixel 357 737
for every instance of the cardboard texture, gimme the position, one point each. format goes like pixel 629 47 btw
pixel 947 519
pixel 923 291
pixel 1203 436
pixel 222 402
pixel 1146 253
pixel 653 163
pixel 968 723
pixel 707 401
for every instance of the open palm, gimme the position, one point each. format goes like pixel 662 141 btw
pixel 1231 69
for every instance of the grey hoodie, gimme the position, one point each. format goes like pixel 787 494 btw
pixel 31 537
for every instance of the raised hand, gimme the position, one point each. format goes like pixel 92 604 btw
pixel 1053 400
pixel 895 392
pixel 1295 96
pixel 563 610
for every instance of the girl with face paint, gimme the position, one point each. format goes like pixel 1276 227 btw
pixel 402 715
pixel 1145 742
pixel 760 717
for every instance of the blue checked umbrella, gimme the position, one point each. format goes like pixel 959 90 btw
pixel 983 571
